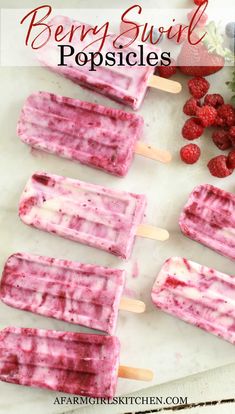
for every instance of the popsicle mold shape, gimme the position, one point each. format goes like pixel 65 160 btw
pixel 74 292
pixel 209 218
pixel 75 363
pixel 127 84
pixel 87 213
pixel 197 294
pixel 92 134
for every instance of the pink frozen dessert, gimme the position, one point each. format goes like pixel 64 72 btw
pixel 209 218
pixel 75 363
pixel 97 216
pixel 197 294
pixel 126 84
pixel 95 135
pixel 78 293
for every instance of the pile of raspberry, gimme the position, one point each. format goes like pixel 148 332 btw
pixel 209 112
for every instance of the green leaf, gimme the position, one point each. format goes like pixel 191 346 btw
pixel 231 84
pixel 214 41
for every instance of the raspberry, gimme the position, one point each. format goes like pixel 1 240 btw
pixel 219 121
pixel 227 113
pixel 218 167
pixel 214 99
pixel 232 132
pixel 221 139
pixel 207 115
pixel 232 135
pixel 199 2
pixel 231 159
pixel 198 87
pixel 167 71
pixel 191 106
pixel 190 153
pixel 192 129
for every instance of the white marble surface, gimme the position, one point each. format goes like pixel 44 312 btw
pixel 152 340
pixel 209 392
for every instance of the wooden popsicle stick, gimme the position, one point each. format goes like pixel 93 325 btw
pixel 164 84
pixel 139 374
pixel 151 232
pixel 153 153
pixel 132 305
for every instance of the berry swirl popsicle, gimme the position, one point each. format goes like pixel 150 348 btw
pixel 74 292
pixel 126 84
pixel 75 363
pixel 98 136
pixel 198 295
pixel 209 218
pixel 90 214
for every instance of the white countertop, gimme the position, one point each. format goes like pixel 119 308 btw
pixel 210 392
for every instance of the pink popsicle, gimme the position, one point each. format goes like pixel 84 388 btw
pixel 97 216
pixel 95 135
pixel 126 84
pixel 78 293
pixel 76 363
pixel 197 294
pixel 209 218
